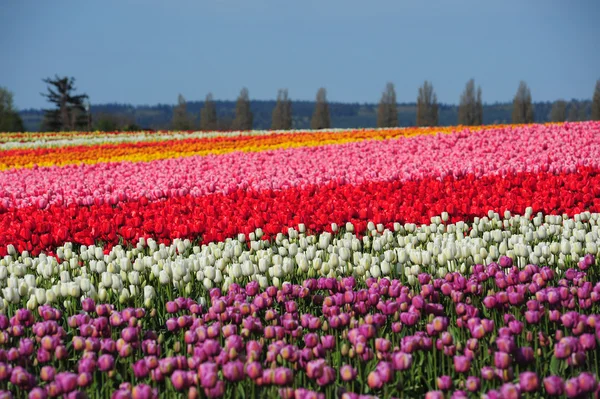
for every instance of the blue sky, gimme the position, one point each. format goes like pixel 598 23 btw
pixel 148 51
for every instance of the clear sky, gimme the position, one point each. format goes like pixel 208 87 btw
pixel 148 51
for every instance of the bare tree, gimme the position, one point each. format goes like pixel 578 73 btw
pixel 321 118
pixel 387 112
pixel 470 109
pixel 427 107
pixel 522 105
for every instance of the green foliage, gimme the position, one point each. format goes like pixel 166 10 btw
pixel 596 103
pixel 243 114
pixel 387 111
pixel 470 109
pixel 343 115
pixel 181 120
pixel 71 112
pixel 282 113
pixel 105 122
pixel 559 111
pixel 321 118
pixel 522 105
pixel 208 114
pixel 427 107
pixel 10 121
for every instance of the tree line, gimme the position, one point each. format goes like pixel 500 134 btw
pixel 72 111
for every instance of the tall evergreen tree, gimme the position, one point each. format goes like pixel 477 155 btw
pixel 243 114
pixel 321 118
pixel 559 111
pixel 387 112
pixel 208 114
pixel 70 113
pixel 282 113
pixel 573 115
pixel 522 105
pixel 181 120
pixel 596 103
pixel 10 121
pixel 427 107
pixel 470 109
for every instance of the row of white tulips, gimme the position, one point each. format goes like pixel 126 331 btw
pixel 135 274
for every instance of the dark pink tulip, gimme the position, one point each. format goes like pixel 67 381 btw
pixel 572 389
pixel 401 361
pixel 472 384
pixel 524 355
pixel 562 350
pixel 283 376
pixel 510 391
pixel 233 371
pixel 374 380
pixel 61 353
pixel 253 370
pixel 217 391
pixel 121 394
pixel 66 381
pixel 444 383
pixel 208 374
pixel 502 360
pixel 434 395
pixel 554 385
pixel 47 373
pixel 37 393
pixel 587 341
pixel 532 316
pixel 459 395
pixel 529 381
pixel 84 380
pixel 311 340
pixel 143 391
pixel 587 382
pixel 106 362
pixel 462 364
pixel 506 344
pixel 328 342
pixel 179 380
pixel 86 366
pixel 505 262
pixel 140 369
pixel 43 356
pixel 385 371
pixel 88 305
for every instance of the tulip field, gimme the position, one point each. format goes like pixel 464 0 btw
pixel 446 262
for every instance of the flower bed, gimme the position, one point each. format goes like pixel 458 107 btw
pixel 388 263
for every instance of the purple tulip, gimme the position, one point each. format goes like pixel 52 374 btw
pixel 572 389
pixel 528 381
pixel 587 382
pixel 502 360
pixel 444 383
pixel 347 373
pixel 462 364
pixel 510 391
pixel 472 384
pixel 106 362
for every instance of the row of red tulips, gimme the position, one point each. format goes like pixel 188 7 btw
pixel 218 216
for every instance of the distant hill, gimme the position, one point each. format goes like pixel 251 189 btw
pixel 343 115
